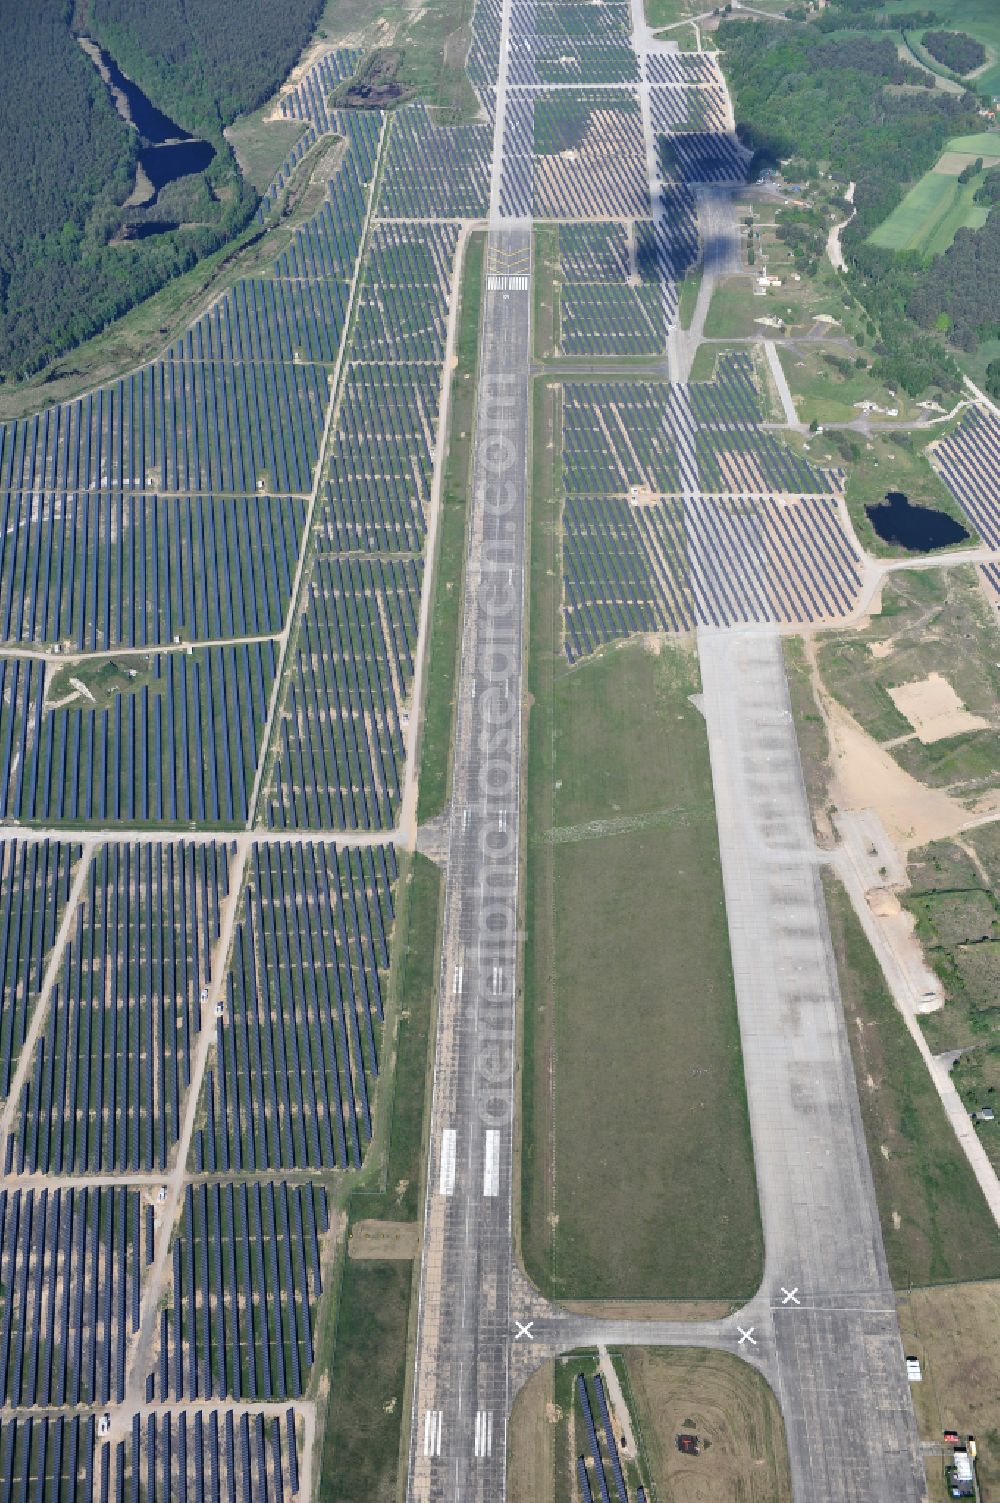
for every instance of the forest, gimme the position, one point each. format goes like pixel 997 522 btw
pixel 69 162
pixel 204 62
pixel 837 96
pixel 954 50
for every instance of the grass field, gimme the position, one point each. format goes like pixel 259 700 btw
pixel 545 320
pixel 937 621
pixel 629 990
pixel 413 992
pixel 956 1334
pixel 442 665
pixel 936 1225
pixel 262 145
pixel 688 297
pixel 932 213
pixel 368 1324
pixel 829 385
pixel 728 1405
pixel 360 1455
pixel 725 1403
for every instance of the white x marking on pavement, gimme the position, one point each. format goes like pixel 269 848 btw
pixel 747 1335
pixel 790 1295
pixel 523 1329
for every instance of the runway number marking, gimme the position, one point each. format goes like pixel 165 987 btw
pixel 790 1295
pixel 747 1335
pixel 491 1164
pixel 448 1157
pixel 523 1330
pixel 484 1433
pixel 433 1425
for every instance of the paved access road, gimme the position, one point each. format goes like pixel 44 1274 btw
pixel 462 1387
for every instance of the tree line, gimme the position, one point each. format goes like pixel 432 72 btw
pixel 954 50
pixel 203 62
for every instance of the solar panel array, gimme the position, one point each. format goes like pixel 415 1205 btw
pixel 63 1328
pixel 177 742
pixel 99 571
pixel 34 888
pixel 246 1275
pixel 611 301
pixel 297 1050
pixel 196 1455
pixel 108 1077
pixel 759 536
pixel 969 464
pixel 592 1478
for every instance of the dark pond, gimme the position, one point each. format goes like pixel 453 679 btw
pixel 918 528
pixel 147 228
pixel 168 152
pixel 162 164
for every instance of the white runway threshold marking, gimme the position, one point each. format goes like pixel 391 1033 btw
pixel 491 1164
pixel 506 284
pixel 484 1433
pixel 433 1425
pixel 446 1183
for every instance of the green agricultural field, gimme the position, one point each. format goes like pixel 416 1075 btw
pixel 629 988
pixel 931 214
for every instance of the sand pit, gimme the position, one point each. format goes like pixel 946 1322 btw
pixel 866 777
pixel 934 709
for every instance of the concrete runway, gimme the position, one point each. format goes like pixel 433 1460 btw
pixel 823 1327
pixel 462 1389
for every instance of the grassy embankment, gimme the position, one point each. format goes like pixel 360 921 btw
pixel 712 1394
pixel 442 665
pixel 628 982
pixel 362 1346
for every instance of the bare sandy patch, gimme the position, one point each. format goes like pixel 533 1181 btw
pixel 882 649
pixel 934 709
pixel 867 777
pixel 384 1239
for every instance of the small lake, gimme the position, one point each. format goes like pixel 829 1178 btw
pixel 916 528
pixel 146 229
pixel 167 151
